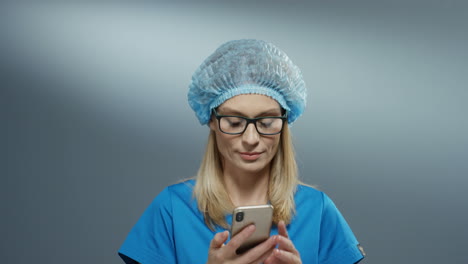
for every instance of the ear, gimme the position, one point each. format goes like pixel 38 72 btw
pixel 212 123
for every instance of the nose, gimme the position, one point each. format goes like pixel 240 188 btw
pixel 250 136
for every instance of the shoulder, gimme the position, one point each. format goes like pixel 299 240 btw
pixel 182 187
pixel 185 186
pixel 308 199
pixel 304 191
pixel 309 196
pixel 176 196
pixel 181 190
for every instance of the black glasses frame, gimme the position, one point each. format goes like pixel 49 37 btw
pixel 251 120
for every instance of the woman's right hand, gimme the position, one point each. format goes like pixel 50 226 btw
pixel 220 253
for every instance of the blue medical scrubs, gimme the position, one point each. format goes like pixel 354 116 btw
pixel 172 230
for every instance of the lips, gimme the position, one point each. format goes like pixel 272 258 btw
pixel 250 156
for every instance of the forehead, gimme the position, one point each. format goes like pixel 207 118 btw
pixel 251 104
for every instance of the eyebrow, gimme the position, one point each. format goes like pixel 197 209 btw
pixel 269 112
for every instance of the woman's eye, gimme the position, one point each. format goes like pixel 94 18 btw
pixel 234 124
pixel 265 123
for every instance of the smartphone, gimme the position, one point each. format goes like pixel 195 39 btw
pixel 259 215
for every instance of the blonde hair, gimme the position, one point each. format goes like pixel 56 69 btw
pixel 213 199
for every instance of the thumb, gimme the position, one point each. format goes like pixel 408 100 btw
pixel 219 239
pixel 282 231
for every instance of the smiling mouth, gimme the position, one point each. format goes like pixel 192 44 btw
pixel 250 156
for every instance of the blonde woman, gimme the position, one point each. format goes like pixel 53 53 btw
pixel 247 92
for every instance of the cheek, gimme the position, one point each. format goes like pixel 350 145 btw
pixel 273 143
pixel 223 143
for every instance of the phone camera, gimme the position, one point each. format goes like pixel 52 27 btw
pixel 240 216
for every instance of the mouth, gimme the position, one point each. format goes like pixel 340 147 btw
pixel 250 156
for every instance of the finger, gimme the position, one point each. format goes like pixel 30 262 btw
pixel 271 259
pixel 282 229
pixel 240 237
pixel 265 255
pixel 219 239
pixel 285 257
pixel 286 244
pixel 260 252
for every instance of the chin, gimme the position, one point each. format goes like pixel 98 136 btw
pixel 253 167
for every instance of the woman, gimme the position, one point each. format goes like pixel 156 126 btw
pixel 247 92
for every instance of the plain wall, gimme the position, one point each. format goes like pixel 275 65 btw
pixel 95 120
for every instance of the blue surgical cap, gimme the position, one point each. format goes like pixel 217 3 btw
pixel 247 66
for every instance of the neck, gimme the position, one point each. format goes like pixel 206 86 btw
pixel 247 188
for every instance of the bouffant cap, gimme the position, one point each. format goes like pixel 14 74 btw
pixel 247 66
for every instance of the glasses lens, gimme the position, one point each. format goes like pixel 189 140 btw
pixel 269 125
pixel 232 124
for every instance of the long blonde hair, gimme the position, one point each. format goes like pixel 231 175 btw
pixel 213 199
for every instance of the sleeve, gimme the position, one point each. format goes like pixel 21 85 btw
pixel 338 245
pixel 151 239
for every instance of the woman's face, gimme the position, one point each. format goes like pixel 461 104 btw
pixel 248 152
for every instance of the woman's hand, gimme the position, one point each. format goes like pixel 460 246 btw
pixel 220 253
pixel 286 253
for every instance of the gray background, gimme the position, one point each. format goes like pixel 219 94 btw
pixel 95 121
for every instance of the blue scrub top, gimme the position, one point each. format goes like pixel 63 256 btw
pixel 172 230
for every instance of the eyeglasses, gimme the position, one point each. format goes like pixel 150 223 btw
pixel 235 125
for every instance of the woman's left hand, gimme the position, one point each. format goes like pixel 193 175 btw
pixel 286 253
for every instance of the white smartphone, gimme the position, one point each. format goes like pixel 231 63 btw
pixel 259 215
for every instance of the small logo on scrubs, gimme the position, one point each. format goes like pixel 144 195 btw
pixel 361 249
